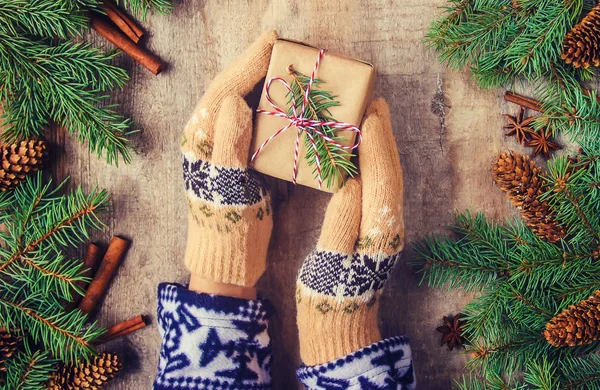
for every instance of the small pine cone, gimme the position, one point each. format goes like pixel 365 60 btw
pixel 8 346
pixel 20 160
pixel 92 374
pixel 519 177
pixel 577 325
pixel 581 45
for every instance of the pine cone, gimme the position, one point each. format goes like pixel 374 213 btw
pixel 8 346
pixel 92 374
pixel 581 44
pixel 19 160
pixel 577 325
pixel 519 178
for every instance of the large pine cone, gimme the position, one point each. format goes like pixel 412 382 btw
pixel 20 160
pixel 92 374
pixel 8 346
pixel 519 177
pixel 581 45
pixel 579 324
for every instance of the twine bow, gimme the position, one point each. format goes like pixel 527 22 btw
pixel 302 124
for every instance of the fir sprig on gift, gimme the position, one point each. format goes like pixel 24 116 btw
pixel 48 75
pixel 37 277
pixel 505 42
pixel 335 161
pixel 526 280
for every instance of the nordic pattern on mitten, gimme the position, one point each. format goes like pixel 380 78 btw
pixel 230 218
pixel 340 283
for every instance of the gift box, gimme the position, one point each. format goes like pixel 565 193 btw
pixel 278 148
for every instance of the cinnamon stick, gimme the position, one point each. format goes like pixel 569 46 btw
pixel 524 101
pixel 108 30
pixel 91 259
pixel 113 257
pixel 122 329
pixel 122 21
pixel 127 331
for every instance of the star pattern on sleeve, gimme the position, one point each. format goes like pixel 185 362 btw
pixel 384 365
pixel 212 342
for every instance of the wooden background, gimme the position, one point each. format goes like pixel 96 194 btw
pixel 448 133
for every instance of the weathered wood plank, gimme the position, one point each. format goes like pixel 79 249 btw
pixel 446 147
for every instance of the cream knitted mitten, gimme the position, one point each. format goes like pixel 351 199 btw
pixel 340 283
pixel 230 219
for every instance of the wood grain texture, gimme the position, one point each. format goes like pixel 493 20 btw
pixel 448 133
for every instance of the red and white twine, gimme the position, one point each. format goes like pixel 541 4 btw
pixel 303 124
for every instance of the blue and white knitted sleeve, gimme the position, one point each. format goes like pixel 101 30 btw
pixel 212 342
pixel 215 342
pixel 384 365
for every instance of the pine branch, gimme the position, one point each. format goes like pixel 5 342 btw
pixel 64 222
pixel 581 373
pixel 468 263
pixel 62 83
pixel 541 374
pixel 64 334
pixel 525 280
pixel 334 159
pixel 508 357
pixel 492 382
pixel 143 6
pixel 567 195
pixel 47 77
pixel 29 369
pixel 43 18
pixel 36 277
pixel 506 41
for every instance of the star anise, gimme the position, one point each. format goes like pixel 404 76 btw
pixel 541 143
pixel 451 332
pixel 519 127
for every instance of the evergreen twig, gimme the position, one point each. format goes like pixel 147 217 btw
pixel 524 279
pixel 48 75
pixel 515 270
pixel 36 277
pixel 335 161
pixel 504 42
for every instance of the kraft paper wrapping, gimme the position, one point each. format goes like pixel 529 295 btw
pixel 350 80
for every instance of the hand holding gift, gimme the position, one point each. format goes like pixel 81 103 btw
pixel 314 131
pixel 230 219
pixel 341 281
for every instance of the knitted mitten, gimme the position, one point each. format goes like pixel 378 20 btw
pixel 340 283
pixel 230 219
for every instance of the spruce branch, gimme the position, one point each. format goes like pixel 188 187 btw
pixel 36 277
pixel 29 369
pixel 62 83
pixel 43 18
pixel 46 76
pixel 505 42
pixel 143 6
pixel 334 160
pixel 525 281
